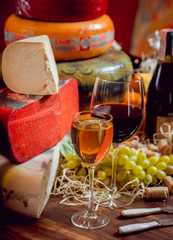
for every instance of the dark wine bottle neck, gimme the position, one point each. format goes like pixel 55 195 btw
pixel 169 47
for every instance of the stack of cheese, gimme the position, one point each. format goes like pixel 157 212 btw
pixel 36 110
pixel 81 35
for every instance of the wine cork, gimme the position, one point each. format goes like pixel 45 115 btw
pixel 168 181
pixel 157 193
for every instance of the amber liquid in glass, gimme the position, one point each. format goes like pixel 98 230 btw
pixel 91 139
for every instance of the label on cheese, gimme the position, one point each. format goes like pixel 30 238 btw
pixel 61 10
pixel 75 40
pixel 28 66
pixel 37 125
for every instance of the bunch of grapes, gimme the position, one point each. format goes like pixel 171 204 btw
pixel 131 166
pixel 135 166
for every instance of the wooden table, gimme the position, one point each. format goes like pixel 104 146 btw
pixel 55 223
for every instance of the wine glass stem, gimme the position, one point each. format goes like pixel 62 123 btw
pixel 114 166
pixel 91 186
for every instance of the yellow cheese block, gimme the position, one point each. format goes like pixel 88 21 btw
pixel 69 40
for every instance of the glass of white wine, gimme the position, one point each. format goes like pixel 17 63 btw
pixel 91 135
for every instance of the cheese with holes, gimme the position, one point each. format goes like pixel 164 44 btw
pixel 28 66
pixel 69 40
pixel 61 10
pixel 31 125
pixel 26 187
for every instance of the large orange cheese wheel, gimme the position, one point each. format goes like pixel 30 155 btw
pixel 61 10
pixel 69 40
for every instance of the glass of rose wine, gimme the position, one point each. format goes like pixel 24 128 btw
pixel 91 135
pixel 120 94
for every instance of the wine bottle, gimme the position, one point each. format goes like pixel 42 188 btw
pixel 159 107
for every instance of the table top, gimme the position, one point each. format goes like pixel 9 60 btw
pixel 55 223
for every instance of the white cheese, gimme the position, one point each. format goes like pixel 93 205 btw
pixel 26 187
pixel 28 66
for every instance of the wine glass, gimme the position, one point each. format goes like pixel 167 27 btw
pixel 121 94
pixel 91 135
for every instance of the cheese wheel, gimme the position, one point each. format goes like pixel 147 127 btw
pixel 28 66
pixel 85 71
pixel 29 125
pixel 70 41
pixel 61 10
pixel 26 187
pixel 1 79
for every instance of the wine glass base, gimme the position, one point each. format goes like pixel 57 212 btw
pixel 86 220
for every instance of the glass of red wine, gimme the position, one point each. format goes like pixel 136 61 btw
pixel 121 94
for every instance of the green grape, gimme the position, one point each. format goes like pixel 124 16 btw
pixel 164 158
pixel 133 158
pixel 98 167
pixel 107 181
pixel 161 166
pixel 141 156
pixel 160 174
pixel 137 170
pixel 134 179
pixel 169 170
pixel 69 157
pixel 171 159
pixel 107 170
pixel 141 175
pixel 153 160
pixel 124 150
pixel 145 163
pixel 132 152
pixel 122 159
pixel 148 179
pixel 129 165
pixel 84 165
pixel 82 172
pixel 72 164
pixel 154 181
pixel 107 161
pixel 101 175
pixel 121 176
pixel 152 170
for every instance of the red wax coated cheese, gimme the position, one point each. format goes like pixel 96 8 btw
pixel 29 126
pixel 61 10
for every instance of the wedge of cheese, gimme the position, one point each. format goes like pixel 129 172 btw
pixel 28 66
pixel 26 187
pixel 30 125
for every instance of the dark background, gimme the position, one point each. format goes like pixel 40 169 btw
pixel 122 12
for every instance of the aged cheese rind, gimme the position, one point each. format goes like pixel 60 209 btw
pixel 26 187
pixel 29 128
pixel 69 40
pixel 28 66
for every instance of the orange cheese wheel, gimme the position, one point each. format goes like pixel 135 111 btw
pixel 70 40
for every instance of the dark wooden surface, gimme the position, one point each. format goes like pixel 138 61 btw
pixel 55 223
